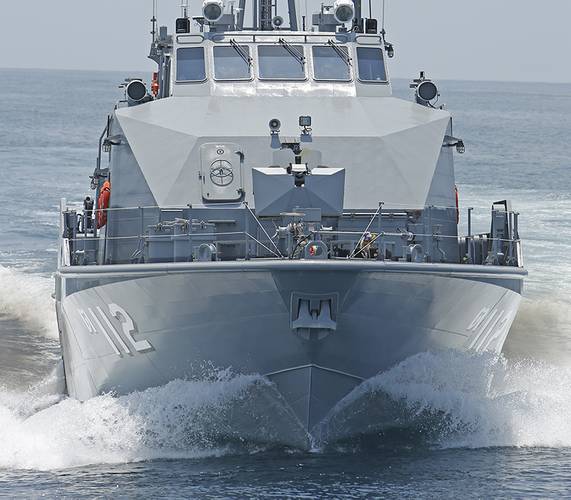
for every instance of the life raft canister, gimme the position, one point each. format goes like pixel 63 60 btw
pixel 103 204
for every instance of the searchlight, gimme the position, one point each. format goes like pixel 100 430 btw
pixel 212 10
pixel 344 11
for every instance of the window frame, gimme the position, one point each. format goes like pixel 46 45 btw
pixel 252 72
pixel 305 64
pixel 350 66
pixel 374 82
pixel 203 58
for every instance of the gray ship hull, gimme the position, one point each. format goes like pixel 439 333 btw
pixel 128 328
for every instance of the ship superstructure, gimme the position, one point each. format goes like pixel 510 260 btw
pixel 266 204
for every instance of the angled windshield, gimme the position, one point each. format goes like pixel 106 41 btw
pixel 232 63
pixel 331 63
pixel 190 65
pixel 281 62
pixel 371 64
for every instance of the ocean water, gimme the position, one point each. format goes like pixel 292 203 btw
pixel 477 426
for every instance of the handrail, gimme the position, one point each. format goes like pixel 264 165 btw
pixel 240 205
pixel 190 224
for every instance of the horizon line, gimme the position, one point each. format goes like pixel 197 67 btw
pixel 450 79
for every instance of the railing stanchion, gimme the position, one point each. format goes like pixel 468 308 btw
pixel 381 251
pixel 470 239
pixel 190 231
pixel 247 229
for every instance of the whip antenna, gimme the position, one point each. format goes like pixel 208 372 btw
pixel 154 21
pixel 384 1
pixel 184 8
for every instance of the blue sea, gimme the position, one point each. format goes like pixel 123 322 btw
pixel 487 426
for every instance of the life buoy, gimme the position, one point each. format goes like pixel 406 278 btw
pixel 103 204
pixel 457 205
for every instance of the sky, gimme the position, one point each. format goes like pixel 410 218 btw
pixel 498 40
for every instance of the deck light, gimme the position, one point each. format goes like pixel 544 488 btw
pixel 390 50
pixel 136 91
pixel 305 121
pixel 212 10
pixel 344 11
pixel 427 91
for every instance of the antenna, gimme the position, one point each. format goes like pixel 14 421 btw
pixel 384 1
pixel 184 8
pixel 154 21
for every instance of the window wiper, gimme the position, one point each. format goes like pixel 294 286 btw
pixel 242 52
pixel 340 52
pixel 293 51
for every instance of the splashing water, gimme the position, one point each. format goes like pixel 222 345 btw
pixel 27 298
pixel 453 399
pixel 475 401
pixel 184 419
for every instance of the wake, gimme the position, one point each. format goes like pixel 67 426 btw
pixel 184 419
pixel 479 401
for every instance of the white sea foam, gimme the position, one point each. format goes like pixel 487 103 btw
pixel 482 400
pixel 180 420
pixel 455 399
pixel 472 401
pixel 223 413
pixel 27 298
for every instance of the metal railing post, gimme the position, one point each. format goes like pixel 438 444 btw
pixel 470 241
pixel 381 254
pixel 190 231
pixel 430 234
pixel 247 230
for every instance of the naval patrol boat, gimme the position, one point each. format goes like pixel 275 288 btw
pixel 265 204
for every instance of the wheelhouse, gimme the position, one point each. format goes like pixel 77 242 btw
pixel 203 64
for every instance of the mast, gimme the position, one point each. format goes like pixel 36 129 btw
pixel 264 11
pixel 292 15
pixel 266 14
pixel 241 11
pixel 358 13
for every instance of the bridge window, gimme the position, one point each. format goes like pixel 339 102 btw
pixel 190 65
pixel 371 64
pixel 232 63
pixel 281 62
pixel 331 63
